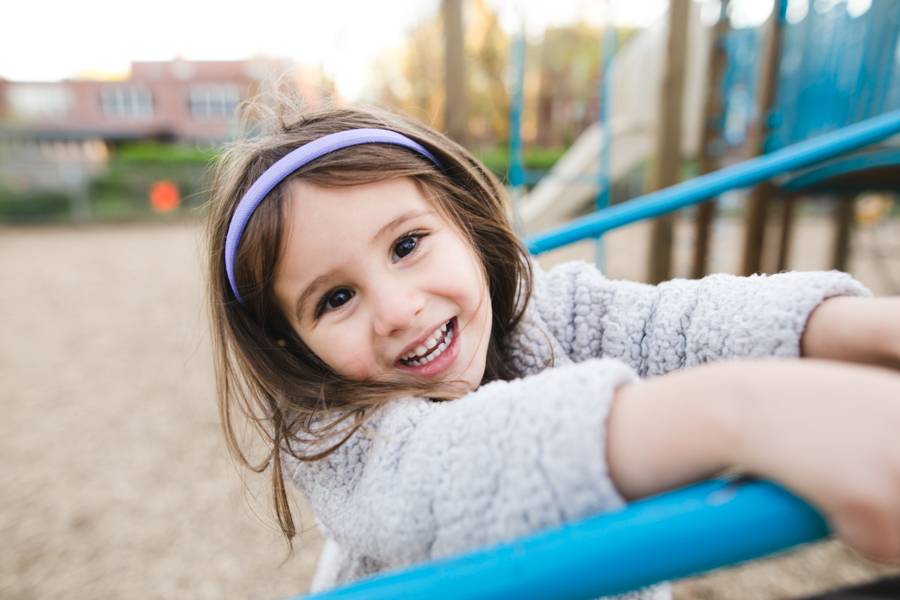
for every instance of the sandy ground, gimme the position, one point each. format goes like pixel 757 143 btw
pixel 115 482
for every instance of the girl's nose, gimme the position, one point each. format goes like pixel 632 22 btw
pixel 395 308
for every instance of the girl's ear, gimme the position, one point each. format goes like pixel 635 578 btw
pixel 281 342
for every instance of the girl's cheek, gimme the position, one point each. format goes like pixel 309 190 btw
pixel 352 356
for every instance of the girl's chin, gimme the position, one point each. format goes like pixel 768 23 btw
pixel 442 363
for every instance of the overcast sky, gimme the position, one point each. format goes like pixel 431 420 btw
pixel 56 39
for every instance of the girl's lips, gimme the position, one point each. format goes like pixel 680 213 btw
pixel 440 363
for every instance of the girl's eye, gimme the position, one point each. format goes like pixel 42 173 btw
pixel 405 247
pixel 336 299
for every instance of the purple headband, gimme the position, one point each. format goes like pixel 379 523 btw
pixel 290 163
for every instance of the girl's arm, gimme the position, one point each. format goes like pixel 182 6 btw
pixel 680 323
pixel 426 479
pixel 827 431
pixel 862 330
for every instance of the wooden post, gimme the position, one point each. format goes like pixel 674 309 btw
pixel 755 227
pixel 787 227
pixel 668 139
pixel 758 201
pixel 455 113
pixel 712 133
pixel 843 216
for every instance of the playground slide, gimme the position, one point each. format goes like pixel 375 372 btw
pixel 637 72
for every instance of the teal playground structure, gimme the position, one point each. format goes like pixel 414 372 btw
pixel 835 69
pixel 673 535
pixel 836 64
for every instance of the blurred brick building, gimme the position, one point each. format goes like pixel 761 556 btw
pixel 180 101
pixel 56 135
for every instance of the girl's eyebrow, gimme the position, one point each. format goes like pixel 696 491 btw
pixel 403 218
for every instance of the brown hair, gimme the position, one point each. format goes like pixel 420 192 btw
pixel 264 371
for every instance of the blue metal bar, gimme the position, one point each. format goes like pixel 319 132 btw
pixel 823 175
pixel 680 533
pixel 790 158
pixel 608 50
pixel 604 99
pixel 517 101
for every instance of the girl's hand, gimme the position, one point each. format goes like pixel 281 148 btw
pixel 828 432
pixel 862 330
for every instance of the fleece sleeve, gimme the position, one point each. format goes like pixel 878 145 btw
pixel 427 479
pixel 682 323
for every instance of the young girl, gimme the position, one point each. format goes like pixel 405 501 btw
pixel 429 390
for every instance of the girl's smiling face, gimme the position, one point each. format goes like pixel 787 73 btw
pixel 380 286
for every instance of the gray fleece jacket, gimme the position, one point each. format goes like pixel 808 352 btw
pixel 424 480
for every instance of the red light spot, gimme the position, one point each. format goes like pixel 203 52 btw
pixel 164 196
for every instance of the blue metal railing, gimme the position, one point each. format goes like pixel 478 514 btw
pixel 745 174
pixel 701 527
pixel 673 535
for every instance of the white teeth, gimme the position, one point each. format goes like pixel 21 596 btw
pixel 417 357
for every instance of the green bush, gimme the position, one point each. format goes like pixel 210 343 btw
pixel 124 188
pixel 33 206
pixel 121 190
pixel 155 152
pixel 535 159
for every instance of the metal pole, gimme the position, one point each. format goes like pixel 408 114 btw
pixel 516 105
pixel 604 182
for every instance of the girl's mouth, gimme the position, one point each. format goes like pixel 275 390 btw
pixel 434 346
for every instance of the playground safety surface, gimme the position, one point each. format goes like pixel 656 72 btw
pixel 115 481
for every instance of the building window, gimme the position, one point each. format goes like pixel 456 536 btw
pixel 214 101
pixel 127 102
pixel 38 101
